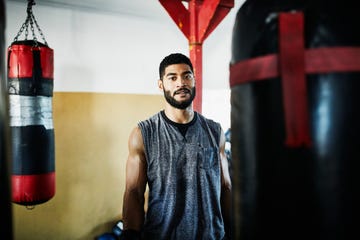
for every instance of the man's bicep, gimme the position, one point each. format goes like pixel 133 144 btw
pixel 136 162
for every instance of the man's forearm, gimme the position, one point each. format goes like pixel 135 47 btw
pixel 226 206
pixel 133 211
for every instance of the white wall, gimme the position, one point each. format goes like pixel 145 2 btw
pixel 111 53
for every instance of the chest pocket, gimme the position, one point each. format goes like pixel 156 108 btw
pixel 207 157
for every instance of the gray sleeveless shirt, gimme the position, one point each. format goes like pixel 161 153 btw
pixel 184 180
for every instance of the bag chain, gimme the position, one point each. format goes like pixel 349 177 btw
pixel 30 19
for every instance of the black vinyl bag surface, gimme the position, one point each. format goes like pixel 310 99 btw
pixel 301 191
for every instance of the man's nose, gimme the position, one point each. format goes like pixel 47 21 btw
pixel 182 81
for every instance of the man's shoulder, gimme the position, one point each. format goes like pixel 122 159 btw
pixel 209 121
pixel 150 120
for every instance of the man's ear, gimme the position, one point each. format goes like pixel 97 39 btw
pixel 160 84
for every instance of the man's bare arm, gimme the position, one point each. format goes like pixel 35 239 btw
pixel 136 179
pixel 226 197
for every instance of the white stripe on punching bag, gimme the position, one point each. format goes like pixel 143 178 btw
pixel 29 110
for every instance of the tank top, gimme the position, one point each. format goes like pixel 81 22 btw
pixel 184 180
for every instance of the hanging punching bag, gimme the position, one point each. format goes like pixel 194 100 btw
pixel 30 88
pixel 295 80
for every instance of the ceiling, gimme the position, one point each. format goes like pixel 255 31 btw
pixel 141 8
pixel 144 8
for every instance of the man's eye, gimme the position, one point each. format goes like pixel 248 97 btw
pixel 188 77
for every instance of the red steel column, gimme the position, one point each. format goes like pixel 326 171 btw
pixel 195 47
pixel 196 59
pixel 196 23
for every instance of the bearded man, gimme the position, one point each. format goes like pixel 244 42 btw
pixel 180 155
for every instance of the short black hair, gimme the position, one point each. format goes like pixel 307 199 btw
pixel 174 58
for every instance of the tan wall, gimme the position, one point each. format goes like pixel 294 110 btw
pixel 91 133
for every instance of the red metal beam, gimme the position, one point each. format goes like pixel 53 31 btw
pixel 179 14
pixel 196 23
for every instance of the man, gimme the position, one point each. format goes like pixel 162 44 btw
pixel 181 156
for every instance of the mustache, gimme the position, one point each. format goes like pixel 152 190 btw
pixel 185 90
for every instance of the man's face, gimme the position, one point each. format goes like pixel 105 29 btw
pixel 178 85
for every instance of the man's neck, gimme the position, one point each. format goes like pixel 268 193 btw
pixel 179 115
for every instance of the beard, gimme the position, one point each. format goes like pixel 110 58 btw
pixel 180 104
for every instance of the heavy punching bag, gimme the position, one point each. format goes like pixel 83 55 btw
pixel 295 120
pixel 30 88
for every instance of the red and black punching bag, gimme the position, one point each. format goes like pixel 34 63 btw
pixel 295 120
pixel 30 88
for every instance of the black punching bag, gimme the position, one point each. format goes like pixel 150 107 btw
pixel 5 197
pixel 295 120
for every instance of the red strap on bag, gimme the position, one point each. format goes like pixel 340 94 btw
pixel 292 71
